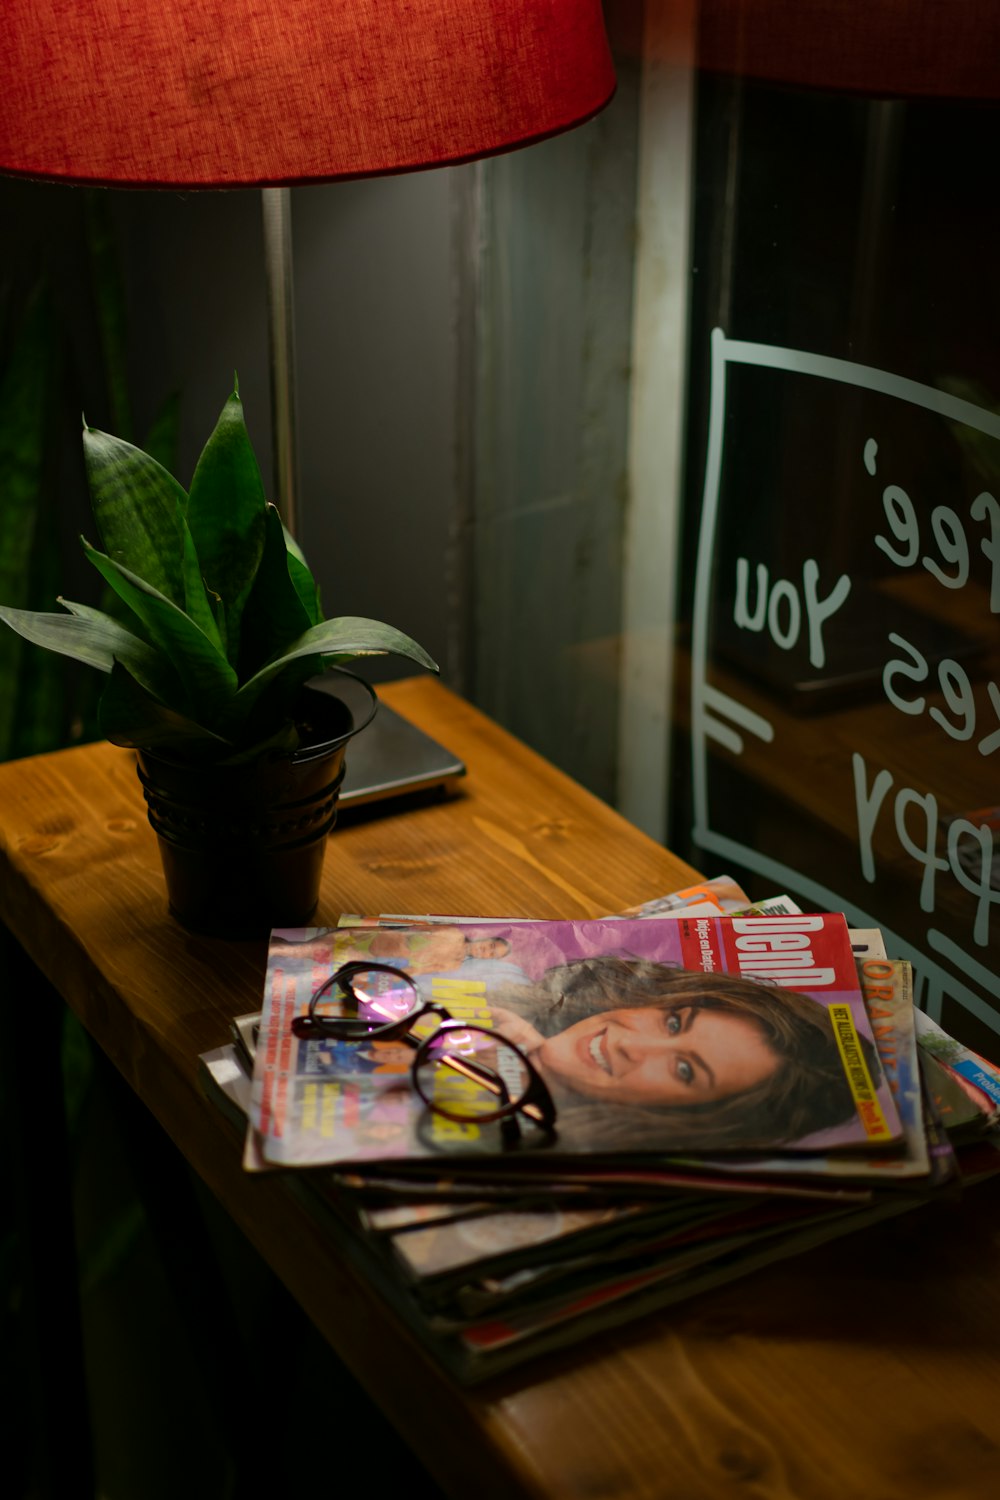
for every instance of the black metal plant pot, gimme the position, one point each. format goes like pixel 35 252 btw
pixel 242 846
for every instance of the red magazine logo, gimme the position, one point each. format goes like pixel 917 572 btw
pixel 799 952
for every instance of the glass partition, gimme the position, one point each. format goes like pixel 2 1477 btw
pixel 837 686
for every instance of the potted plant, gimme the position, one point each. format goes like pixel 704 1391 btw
pixel 216 634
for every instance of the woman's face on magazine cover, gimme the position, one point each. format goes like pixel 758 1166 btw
pixel 659 1058
pixel 488 947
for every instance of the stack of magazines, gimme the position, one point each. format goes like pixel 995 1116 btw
pixel 526 1131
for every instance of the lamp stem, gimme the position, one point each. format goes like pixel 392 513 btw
pixel 276 204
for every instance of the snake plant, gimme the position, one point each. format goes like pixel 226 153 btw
pixel 220 623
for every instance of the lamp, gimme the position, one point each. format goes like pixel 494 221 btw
pixel 272 93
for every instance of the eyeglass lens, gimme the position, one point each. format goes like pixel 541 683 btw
pixel 470 1074
pixel 374 998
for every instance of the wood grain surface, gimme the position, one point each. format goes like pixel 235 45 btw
pixel 869 1366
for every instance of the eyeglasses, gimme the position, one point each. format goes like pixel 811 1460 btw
pixel 464 1072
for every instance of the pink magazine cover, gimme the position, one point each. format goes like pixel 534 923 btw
pixel 699 1034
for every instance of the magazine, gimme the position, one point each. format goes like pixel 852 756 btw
pixel 491 1258
pixel 979 1079
pixel 487 1346
pixel 757 1027
pixel 444 1254
pixel 722 891
pixel 963 1111
pixel 888 992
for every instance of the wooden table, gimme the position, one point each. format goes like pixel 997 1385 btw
pixel 871 1366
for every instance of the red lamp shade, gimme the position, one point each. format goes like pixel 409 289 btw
pixel 230 93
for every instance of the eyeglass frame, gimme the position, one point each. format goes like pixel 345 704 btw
pixel 536 1102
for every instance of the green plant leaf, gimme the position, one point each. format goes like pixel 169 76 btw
pixel 196 601
pixel 208 678
pixel 128 715
pixel 306 587
pixel 274 615
pixel 132 718
pixel 251 716
pixel 301 575
pixel 353 635
pixel 148 665
pixel 139 510
pixel 226 514
pixel 333 643
pixel 86 635
pixel 292 545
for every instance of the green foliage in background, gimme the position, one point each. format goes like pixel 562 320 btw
pixel 31 703
pixel 220 623
pixel 42 705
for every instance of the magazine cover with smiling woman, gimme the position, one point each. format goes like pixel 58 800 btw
pixel 617 1037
